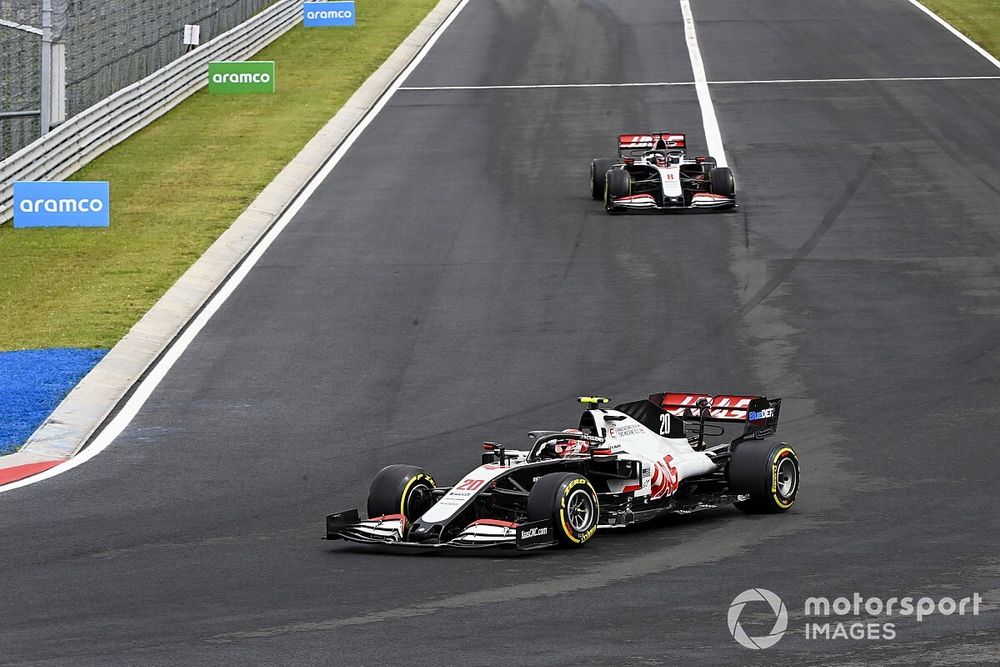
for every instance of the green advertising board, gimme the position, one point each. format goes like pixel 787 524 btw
pixel 226 77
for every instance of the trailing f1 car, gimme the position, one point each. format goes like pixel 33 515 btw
pixel 652 172
pixel 619 467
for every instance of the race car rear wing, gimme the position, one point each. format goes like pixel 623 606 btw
pixel 758 413
pixel 650 141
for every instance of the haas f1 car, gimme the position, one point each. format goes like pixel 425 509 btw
pixel 652 172
pixel 619 467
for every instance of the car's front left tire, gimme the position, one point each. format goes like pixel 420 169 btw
pixel 401 489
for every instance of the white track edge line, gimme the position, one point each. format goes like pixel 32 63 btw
pixel 713 135
pixel 148 384
pixel 958 33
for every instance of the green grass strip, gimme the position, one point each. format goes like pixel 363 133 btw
pixel 978 19
pixel 178 184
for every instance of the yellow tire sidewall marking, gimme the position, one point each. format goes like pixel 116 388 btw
pixel 567 529
pixel 782 453
pixel 409 485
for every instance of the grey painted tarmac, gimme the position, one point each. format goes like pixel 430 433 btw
pixel 453 282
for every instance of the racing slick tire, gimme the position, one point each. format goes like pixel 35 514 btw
pixel 401 489
pixel 618 183
pixel 598 176
pixel 570 502
pixel 768 472
pixel 722 182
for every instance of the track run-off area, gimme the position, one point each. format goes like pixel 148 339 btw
pixel 448 280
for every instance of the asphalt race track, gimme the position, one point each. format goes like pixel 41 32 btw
pixel 452 281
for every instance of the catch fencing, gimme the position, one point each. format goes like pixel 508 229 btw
pixel 107 45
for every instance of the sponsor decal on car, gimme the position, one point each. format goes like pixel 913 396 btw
pixel 534 532
pixel 665 478
pixel 720 407
pixel 624 430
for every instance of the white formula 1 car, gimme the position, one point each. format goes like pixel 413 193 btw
pixel 652 172
pixel 623 466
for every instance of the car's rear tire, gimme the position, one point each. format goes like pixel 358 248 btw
pixel 570 502
pixel 768 472
pixel 618 183
pixel 722 182
pixel 598 176
pixel 401 489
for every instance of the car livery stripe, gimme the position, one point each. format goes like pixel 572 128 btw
pixel 463 493
pixel 494 522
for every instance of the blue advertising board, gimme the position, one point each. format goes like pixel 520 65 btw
pixel 328 14
pixel 61 204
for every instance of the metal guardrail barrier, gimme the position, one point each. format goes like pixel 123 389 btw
pixel 86 135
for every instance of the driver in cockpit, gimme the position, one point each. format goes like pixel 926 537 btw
pixel 571 447
pixel 663 158
pixel 656 157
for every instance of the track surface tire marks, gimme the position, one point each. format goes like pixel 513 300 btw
pixel 452 282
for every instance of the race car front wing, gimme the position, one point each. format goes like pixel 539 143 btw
pixel 392 529
pixel 698 200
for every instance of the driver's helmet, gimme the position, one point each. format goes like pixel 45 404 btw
pixel 572 447
pixel 656 157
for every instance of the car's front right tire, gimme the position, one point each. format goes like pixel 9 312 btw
pixel 618 183
pixel 570 502
pixel 598 173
